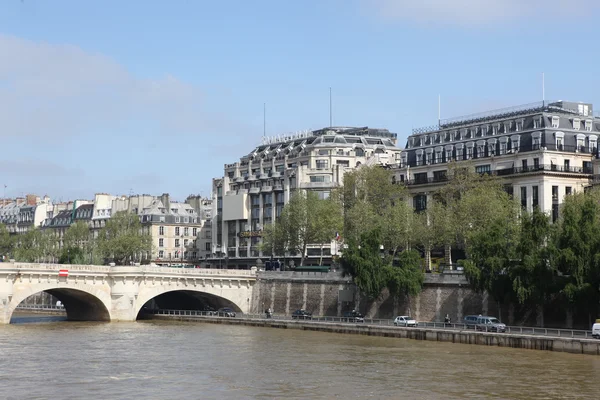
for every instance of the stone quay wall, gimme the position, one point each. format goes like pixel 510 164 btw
pixel 560 344
pixel 331 294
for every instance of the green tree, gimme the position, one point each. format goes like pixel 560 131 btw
pixel 534 276
pixel 6 242
pixel 406 278
pixel 79 245
pixel 577 241
pixel 366 197
pixel 491 253
pixel 305 220
pixel 123 240
pixel 364 261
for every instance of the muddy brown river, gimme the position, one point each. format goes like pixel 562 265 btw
pixel 42 358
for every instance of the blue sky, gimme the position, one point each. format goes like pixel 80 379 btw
pixel 155 96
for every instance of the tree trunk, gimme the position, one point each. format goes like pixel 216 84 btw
pixel 540 315
pixel 428 258
pixel 303 255
pixel 448 255
pixel 321 256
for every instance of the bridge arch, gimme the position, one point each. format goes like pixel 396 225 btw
pixel 192 298
pixel 83 303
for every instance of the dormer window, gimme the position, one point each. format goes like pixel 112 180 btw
pixel 449 153
pixel 536 123
pixel 559 137
pixel 555 122
pixel 581 142
pixel 470 146
pixel 419 160
pixel 467 133
pixel 588 125
pixel 495 129
pixel 492 147
pixel 503 145
pixel 480 149
pixel 428 156
pixel 457 135
pixel 438 155
pixel 515 143
pixel 536 139
pixel 576 123
pixel 519 126
pixel 459 151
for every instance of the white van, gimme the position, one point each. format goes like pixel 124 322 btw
pixel 596 329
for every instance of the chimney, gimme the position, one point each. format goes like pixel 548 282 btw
pixel 165 200
pixel 30 199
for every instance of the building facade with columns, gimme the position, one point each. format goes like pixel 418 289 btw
pixel 254 190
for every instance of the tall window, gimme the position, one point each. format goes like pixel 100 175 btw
pixel 195 232
pixel 176 231
pixel 534 196
pixel 161 242
pixel 161 230
pixel 554 193
pixel 161 254
pixel 420 202
pixel 524 197
pixel 186 231
pixel 483 169
pixel 568 190
pixel 322 164
pixel 177 243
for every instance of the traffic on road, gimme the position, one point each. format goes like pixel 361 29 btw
pixel 478 323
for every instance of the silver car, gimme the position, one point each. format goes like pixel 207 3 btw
pixel 405 320
pixel 490 324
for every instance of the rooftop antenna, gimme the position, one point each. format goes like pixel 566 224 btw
pixel 330 109
pixel 439 109
pixel 543 89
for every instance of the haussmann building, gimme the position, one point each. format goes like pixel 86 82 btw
pixel 254 190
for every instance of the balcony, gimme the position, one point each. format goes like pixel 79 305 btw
pixel 521 149
pixel 278 188
pixel 238 179
pixel 274 174
pixel 267 189
pixel 316 185
pixel 263 176
pixel 254 190
pixel 511 171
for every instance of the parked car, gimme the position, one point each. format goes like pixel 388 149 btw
pixel 301 314
pixel 225 312
pixel 596 329
pixel 490 324
pixel 471 320
pixel 405 320
pixel 353 316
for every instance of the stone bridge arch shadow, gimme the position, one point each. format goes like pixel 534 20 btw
pixel 81 304
pixel 184 299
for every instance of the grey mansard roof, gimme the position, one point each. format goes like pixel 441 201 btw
pixel 349 136
pixel 535 125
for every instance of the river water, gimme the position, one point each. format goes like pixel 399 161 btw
pixel 42 358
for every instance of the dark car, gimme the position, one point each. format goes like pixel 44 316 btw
pixel 353 316
pixel 225 312
pixel 301 314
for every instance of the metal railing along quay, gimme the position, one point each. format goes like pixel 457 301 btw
pixel 516 330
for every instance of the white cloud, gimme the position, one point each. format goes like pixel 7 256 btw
pixel 478 12
pixel 56 91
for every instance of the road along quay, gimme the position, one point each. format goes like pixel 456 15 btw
pixel 454 334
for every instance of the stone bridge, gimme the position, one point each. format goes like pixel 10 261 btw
pixel 107 293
